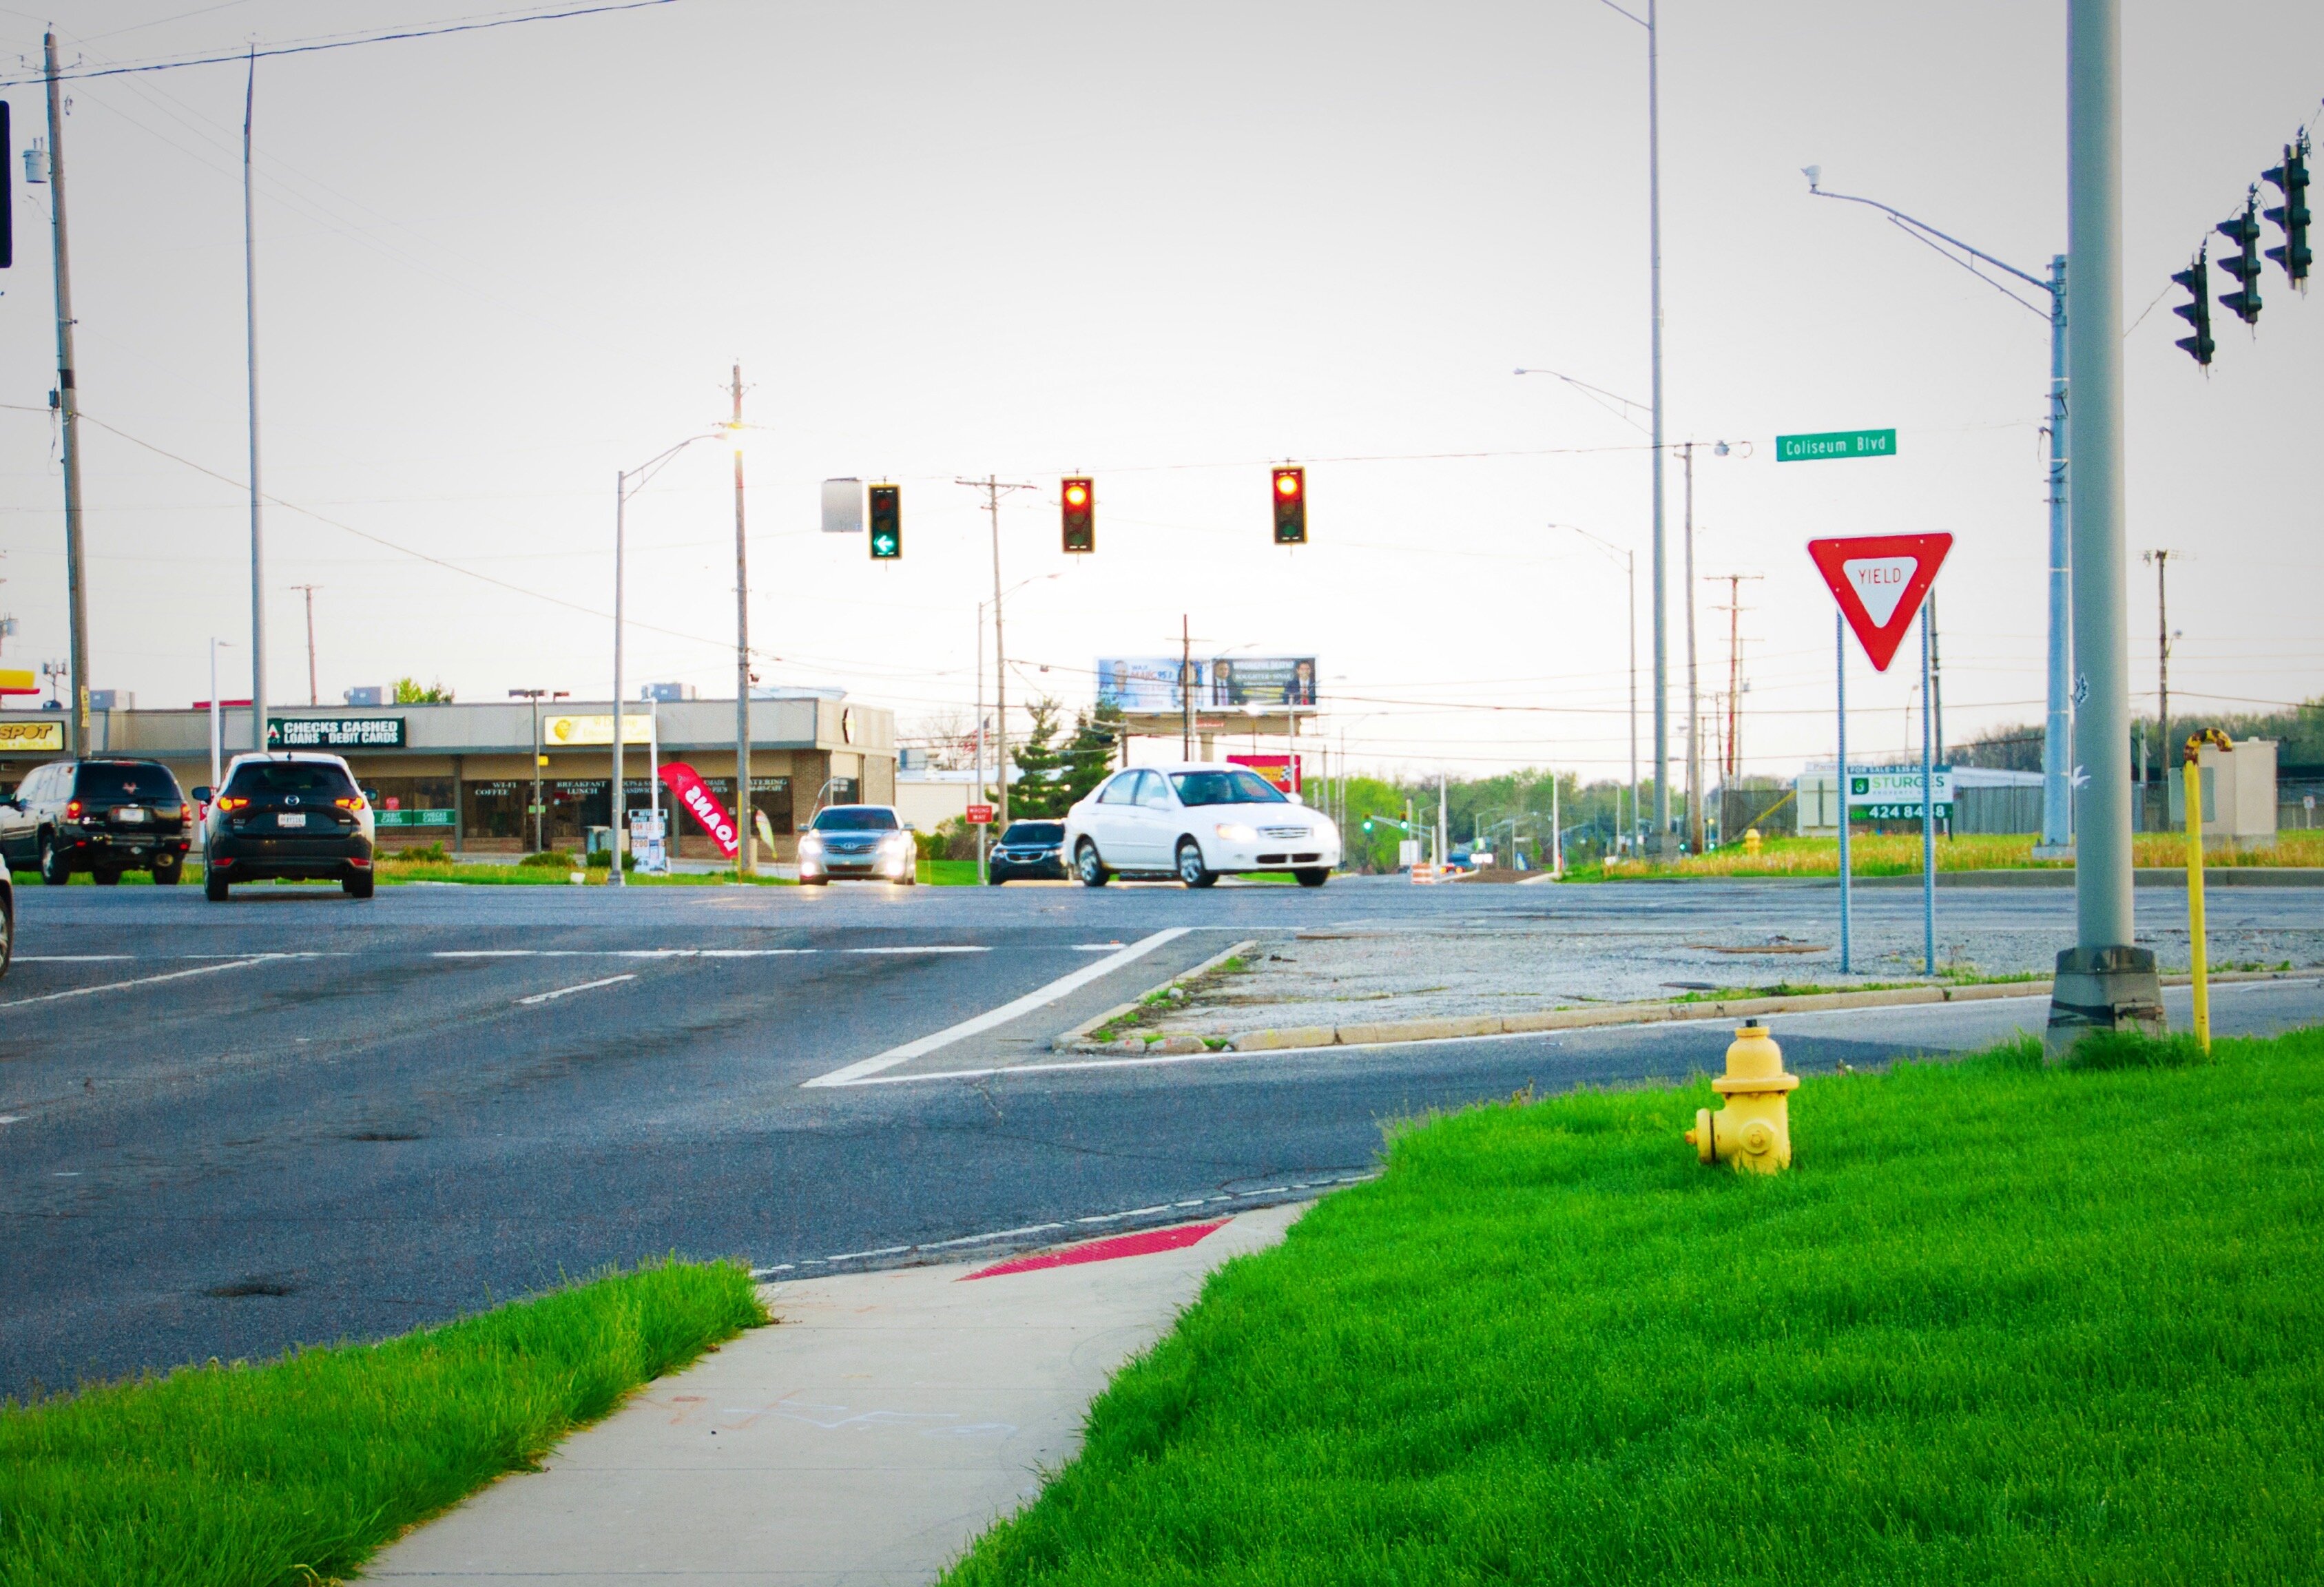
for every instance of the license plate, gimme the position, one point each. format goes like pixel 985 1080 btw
pixel 128 813
pixel 297 820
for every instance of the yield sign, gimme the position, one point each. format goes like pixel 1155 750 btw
pixel 1879 581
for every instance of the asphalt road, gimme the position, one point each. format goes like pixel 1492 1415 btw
pixel 225 1129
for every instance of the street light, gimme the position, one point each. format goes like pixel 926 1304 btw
pixel 2057 748
pixel 624 489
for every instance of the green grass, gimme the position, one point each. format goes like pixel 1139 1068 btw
pixel 1899 855
pixel 948 873
pixel 2000 1325
pixel 295 1470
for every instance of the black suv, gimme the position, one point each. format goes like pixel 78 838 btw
pixel 297 818
pixel 104 816
pixel 1028 850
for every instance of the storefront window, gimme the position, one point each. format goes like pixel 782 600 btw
pixel 497 809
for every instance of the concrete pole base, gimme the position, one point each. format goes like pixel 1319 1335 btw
pixel 2053 850
pixel 2102 989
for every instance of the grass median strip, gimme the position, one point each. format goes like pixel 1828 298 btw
pixel 2002 1324
pixel 295 1470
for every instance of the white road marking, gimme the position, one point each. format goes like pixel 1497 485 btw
pixel 550 997
pixel 689 953
pixel 854 1073
pixel 1095 947
pixel 71 958
pixel 50 997
pixel 12 1118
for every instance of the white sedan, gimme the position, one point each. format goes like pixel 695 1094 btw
pixel 1196 822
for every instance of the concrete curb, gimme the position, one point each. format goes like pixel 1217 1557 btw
pixel 2060 876
pixel 1077 1039
pixel 1457 1027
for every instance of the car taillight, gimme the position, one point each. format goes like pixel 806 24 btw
pixel 229 802
pixel 185 812
pixel 72 810
pixel 354 804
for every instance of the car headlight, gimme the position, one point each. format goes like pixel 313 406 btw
pixel 1236 832
pixel 810 844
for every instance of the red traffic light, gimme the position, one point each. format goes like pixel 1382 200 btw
pixel 1291 506
pixel 1078 498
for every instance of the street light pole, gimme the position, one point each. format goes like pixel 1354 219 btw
pixel 2057 728
pixel 533 695
pixel 993 491
pixel 2104 981
pixel 68 400
pixel 1630 570
pixel 746 851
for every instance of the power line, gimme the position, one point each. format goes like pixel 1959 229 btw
pixel 316 46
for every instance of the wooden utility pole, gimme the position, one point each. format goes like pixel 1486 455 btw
pixel 746 850
pixel 314 695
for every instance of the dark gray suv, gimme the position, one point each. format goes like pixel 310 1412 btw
pixel 105 814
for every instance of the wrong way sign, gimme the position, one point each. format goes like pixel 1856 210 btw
pixel 1880 581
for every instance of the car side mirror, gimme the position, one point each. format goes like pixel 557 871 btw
pixel 201 796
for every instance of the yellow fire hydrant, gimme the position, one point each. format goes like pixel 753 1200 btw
pixel 1751 841
pixel 1754 1131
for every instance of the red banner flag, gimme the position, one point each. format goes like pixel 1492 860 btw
pixel 686 788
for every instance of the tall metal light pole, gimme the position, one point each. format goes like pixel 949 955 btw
pixel 2104 981
pixel 628 483
pixel 2057 727
pixel 534 695
pixel 69 410
pixel 249 306
pixel 2161 561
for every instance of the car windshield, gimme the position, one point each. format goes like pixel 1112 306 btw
pixel 149 785
pixel 1225 787
pixel 856 818
pixel 298 777
pixel 1034 832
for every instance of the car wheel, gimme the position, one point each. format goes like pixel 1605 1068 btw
pixel 214 886
pixel 55 871
pixel 359 885
pixel 7 933
pixel 1089 867
pixel 169 871
pixel 993 879
pixel 1312 876
pixel 814 881
pixel 1191 869
pixel 105 876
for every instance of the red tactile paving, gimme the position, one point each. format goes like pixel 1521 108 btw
pixel 1104 1251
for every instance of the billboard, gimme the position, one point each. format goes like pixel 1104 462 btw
pixel 1150 684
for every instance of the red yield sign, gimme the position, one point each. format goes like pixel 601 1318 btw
pixel 980 815
pixel 1879 581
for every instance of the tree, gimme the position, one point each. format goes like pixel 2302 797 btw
pixel 1088 758
pixel 1040 789
pixel 409 692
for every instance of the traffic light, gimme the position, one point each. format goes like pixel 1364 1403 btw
pixel 2292 178
pixel 1291 506
pixel 1078 500
pixel 2243 230
pixel 2196 310
pixel 887 522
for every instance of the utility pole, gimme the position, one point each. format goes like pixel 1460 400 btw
pixel 314 695
pixel 1186 689
pixel 67 403
pixel 977 797
pixel 250 305
pixel 1630 571
pixel 534 695
pixel 2104 981
pixel 746 853
pixel 1654 291
pixel 993 491
pixel 2162 561
pixel 1730 760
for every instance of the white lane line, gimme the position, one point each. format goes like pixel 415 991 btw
pixel 1095 947
pixel 51 997
pixel 71 958
pixel 853 1074
pixel 931 949
pixel 550 997
pixel 688 953
pixel 12 1118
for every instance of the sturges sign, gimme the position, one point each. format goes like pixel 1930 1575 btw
pixel 335 733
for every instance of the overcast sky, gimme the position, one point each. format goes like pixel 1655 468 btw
pixel 1166 246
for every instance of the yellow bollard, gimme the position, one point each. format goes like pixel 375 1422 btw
pixel 2195 944
pixel 1754 1131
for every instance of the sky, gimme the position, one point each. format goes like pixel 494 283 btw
pixel 1165 248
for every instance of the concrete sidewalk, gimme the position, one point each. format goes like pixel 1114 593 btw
pixel 867 1438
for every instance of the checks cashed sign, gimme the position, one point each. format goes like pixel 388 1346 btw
pixel 335 733
pixel 686 788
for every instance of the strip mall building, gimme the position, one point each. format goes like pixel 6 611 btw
pixel 463 774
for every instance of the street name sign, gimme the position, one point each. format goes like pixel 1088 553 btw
pixel 1836 443
pixel 1879 581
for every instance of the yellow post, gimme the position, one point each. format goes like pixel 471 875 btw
pixel 2195 944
